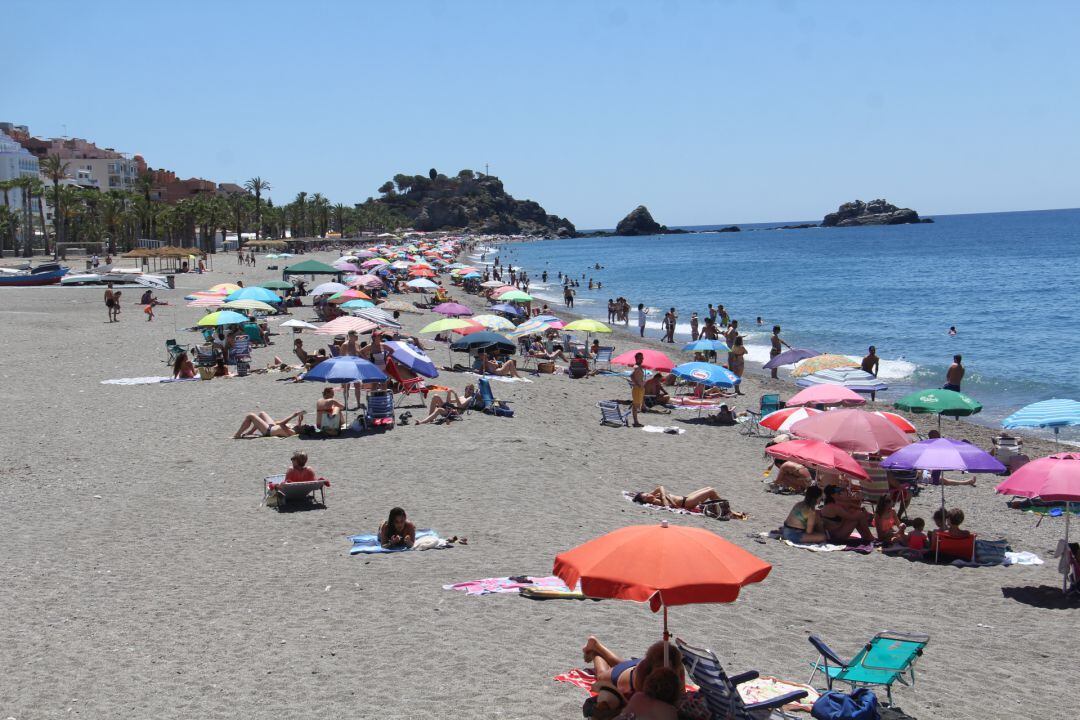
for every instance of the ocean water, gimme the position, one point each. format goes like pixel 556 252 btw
pixel 1009 282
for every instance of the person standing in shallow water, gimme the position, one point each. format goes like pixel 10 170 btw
pixel 642 314
pixel 955 374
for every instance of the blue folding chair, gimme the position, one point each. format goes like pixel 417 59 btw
pixel 770 403
pixel 721 692
pixel 887 658
pixel 612 414
pixel 379 411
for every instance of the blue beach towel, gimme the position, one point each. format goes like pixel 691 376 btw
pixel 369 544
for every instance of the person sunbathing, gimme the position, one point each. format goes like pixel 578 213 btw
pixel 628 676
pixel 492 367
pixel 328 413
pixel 449 407
pixel 183 368
pixel 791 476
pixel 840 521
pixel 300 472
pixel 660 497
pixel 654 390
pixel 803 524
pixel 537 350
pixel 306 359
pixel 221 369
pixel 397 531
pixel 259 424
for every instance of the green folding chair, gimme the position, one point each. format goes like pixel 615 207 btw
pixel 888 657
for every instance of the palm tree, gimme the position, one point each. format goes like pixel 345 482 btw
pixel 340 213
pixel 257 185
pixel 9 223
pixel 237 204
pixel 301 213
pixel 55 169
pixel 320 214
pixel 144 184
pixel 112 208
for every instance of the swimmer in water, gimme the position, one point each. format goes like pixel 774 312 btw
pixel 952 331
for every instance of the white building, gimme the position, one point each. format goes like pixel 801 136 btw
pixel 15 162
pixel 108 173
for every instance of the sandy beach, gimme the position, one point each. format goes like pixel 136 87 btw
pixel 144 579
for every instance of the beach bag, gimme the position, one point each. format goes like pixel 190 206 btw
pixel 861 704
pixel 548 368
pixel 990 552
pixel 500 409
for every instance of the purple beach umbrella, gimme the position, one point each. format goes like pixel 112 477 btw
pixel 452 309
pixel 790 357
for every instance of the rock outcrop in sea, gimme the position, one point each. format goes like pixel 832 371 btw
pixel 639 222
pixel 875 212
pixel 467 201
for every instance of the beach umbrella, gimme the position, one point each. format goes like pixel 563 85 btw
pixel 851 378
pixel 254 293
pixel 853 431
pixel 1056 414
pixel 491 284
pixel 472 276
pixel 587 325
pixel 826 395
pixel 212 301
pixel 374 263
pixel 706 374
pixel 940 454
pixel 422 284
pixel 494 322
pixel 347 266
pixel 515 296
pixel 298 325
pixel 400 306
pixel 817 454
pixel 413 358
pixel 328 288
pixel 250 305
pixel 378 315
pixel 1050 479
pixel 357 304
pixel 823 362
pixel 367 281
pixel 941 402
pixel 790 357
pixel 530 327
pixel 507 309
pixel 446 325
pixel 276 285
pixel 422 272
pixel 653 359
pixel 452 309
pixel 663 565
pixel 483 340
pixel 222 317
pixel 350 294
pixel 781 420
pixel 224 288
pixel 899 421
pixel 342 325
pixel 704 345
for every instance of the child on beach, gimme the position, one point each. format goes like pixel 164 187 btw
pixel 886 522
pixel 916 538
pixel 954 518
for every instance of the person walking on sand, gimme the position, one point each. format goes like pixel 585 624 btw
pixel 110 301
pixel 642 313
pixel 116 306
pixel 953 376
pixel 777 343
pixel 637 388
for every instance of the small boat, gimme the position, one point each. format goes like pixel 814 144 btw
pixel 117 276
pixel 47 274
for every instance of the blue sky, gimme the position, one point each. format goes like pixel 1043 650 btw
pixel 706 112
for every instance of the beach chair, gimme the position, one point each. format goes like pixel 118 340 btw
pixel 173 349
pixel 603 355
pixel 241 350
pixel 406 386
pixel 204 356
pixel 278 493
pixel 612 414
pixel 721 692
pixel 769 403
pixel 751 425
pixel 335 351
pixel 888 657
pixel 943 547
pixel 1072 574
pixel 876 485
pixel 379 411
pixel 525 354
pixel 487 403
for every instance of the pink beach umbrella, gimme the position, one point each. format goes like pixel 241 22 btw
pixel 853 431
pixel 653 360
pixel 826 395
pixel 366 281
pixel 452 309
pixel 782 419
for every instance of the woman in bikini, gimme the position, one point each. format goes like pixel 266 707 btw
pixel 692 502
pixel 183 369
pixel 452 405
pixel 262 425
pixel 628 676
pixel 839 521
pixel 803 525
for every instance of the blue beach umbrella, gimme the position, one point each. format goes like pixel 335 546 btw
pixel 1056 413
pixel 253 293
pixel 705 345
pixel 357 304
pixel 706 374
pixel 413 358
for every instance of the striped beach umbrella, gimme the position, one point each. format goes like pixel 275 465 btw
pixel 851 378
pixel 781 420
pixel 1056 413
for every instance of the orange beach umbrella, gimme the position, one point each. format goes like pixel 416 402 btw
pixel 663 565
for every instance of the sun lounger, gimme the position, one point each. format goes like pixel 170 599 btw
pixel 407 386
pixel 241 350
pixel 612 414
pixel 278 493
pixel 721 692
pixel 887 658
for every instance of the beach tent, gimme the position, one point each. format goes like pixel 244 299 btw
pixel 312 268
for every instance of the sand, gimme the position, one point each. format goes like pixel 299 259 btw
pixel 143 578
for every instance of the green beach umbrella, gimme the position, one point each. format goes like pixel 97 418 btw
pixel 222 317
pixel 584 325
pixel 515 296
pixel 276 285
pixel 940 402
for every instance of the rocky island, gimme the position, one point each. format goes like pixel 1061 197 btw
pixel 468 201
pixel 875 212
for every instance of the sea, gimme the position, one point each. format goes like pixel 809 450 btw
pixel 1008 282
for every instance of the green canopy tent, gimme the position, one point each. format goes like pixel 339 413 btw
pixel 312 268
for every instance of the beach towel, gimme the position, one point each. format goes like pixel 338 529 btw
pixel 369 544
pixel 500 378
pixel 584 679
pixel 766 687
pixel 665 430
pixel 494 585
pixel 146 380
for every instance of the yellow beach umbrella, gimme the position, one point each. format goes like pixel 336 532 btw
pixel 446 324
pixel 225 288
pixel 257 305
pixel 493 322
pixel 823 362
pixel 587 325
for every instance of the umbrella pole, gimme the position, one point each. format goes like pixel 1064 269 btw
pixel 937 545
pixel 667 660
pixel 1065 575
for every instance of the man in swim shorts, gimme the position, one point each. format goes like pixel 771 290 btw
pixel 637 388
pixel 955 374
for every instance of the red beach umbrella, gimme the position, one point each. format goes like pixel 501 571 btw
pixel 899 421
pixel 818 454
pixel 782 419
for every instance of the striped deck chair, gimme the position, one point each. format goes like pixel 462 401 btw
pixel 887 658
pixel 877 486
pixel 241 350
pixel 612 414
pixel 721 692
